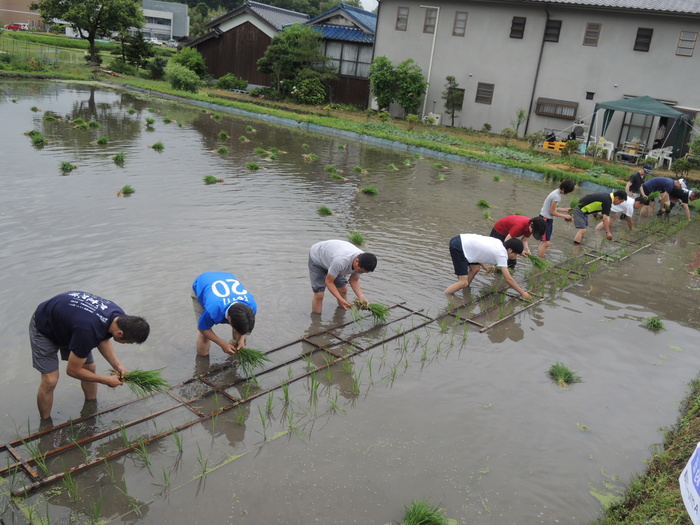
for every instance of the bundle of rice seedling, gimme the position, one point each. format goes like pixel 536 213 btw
pixel 538 263
pixel 420 512
pixel 379 312
pixel 654 195
pixel 250 359
pixel 144 382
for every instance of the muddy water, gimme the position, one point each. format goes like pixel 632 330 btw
pixel 468 420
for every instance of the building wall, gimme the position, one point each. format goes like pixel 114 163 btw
pixel 237 51
pixel 568 70
pixel 18 11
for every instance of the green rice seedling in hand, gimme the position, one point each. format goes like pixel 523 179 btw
pixel 356 238
pixel 380 313
pixel 563 375
pixel 250 359
pixel 324 210
pixel 573 205
pixel 369 190
pixel 253 166
pixel 537 262
pixel 483 203
pixel 158 146
pixel 144 382
pixel 420 512
pixel 654 324
pixel 654 195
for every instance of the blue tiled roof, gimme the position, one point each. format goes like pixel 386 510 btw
pixel 364 19
pixel 348 34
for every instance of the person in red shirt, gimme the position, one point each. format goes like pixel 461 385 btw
pixel 518 226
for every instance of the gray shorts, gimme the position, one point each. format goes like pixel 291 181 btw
pixel 318 274
pixel 580 219
pixel 45 351
pixel 198 308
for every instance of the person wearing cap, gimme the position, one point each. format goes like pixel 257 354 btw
pixel 624 211
pixel 518 226
pixel 330 264
pixel 657 184
pixel 550 210
pixel 678 195
pixel 219 298
pixel 471 252
pixel 637 179
pixel 596 202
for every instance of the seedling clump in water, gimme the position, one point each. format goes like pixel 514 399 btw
pixel 563 375
pixel 210 179
pixel 324 210
pixel 356 238
pixel 654 324
pixel 126 191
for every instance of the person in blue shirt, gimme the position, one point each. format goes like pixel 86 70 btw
pixel 72 324
pixel 660 184
pixel 219 298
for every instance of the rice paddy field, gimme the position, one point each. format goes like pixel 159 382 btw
pixel 352 418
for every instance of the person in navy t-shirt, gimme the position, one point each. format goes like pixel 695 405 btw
pixel 72 324
pixel 219 298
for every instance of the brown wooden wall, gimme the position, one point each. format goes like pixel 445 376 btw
pixel 237 51
pixel 348 90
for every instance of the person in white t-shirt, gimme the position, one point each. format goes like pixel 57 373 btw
pixel 550 210
pixel 623 211
pixel 471 252
pixel 330 264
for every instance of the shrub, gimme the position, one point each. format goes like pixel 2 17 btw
pixel 411 119
pixel 183 78
pixel 569 148
pixel 231 81
pixel 156 67
pixel 119 66
pixel 267 93
pixel 384 116
pixel 310 90
pixel 191 59
pixel 486 128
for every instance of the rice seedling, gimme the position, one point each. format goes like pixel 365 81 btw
pixel 304 146
pixel 357 383
pixel 260 151
pixel 272 156
pixel 96 507
pixel 420 512
pixel 331 169
pixel 132 501
pixel 285 393
pixel 324 211
pixel 537 262
pixel 654 195
pixel 274 150
pixel 202 460
pixel 167 120
pixel 71 486
pixel 243 138
pixel 150 121
pixel 102 141
pixel 392 166
pixel 483 203
pixel 158 146
pixel 79 120
pixel 407 162
pixel 131 111
pixel 369 190
pixel 356 238
pixel 562 375
pixel 654 324
pixel 250 129
pixel 223 134
pixel 210 179
pixel 269 403
pixel 34 109
pixel 152 110
pixel 573 204
pixel 310 157
pixel 313 388
pixel 67 167
pixel 253 166
pixel 177 439
pixel 142 453
pixel 487 215
pixel 38 139
pixel 335 406
pixel 222 150
pixel 166 477
pixel 439 165
pixel 441 176
pixel 249 360
pixel 496 178
pixel 217 116
pixel 582 427
pixel 380 313
pixel 94 124
pixel 346 366
pixel 119 158
pixel 50 118
pixel 357 169
pixel 108 470
pixel 336 176
pixel 263 422
pixel 144 382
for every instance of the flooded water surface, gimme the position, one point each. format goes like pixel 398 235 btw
pixel 433 409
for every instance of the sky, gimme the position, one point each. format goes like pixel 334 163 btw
pixel 368 5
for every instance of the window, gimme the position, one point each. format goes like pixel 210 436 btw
pixel 430 19
pixel 552 30
pixel 590 95
pixel 550 107
pixel 592 34
pixel 643 40
pixel 484 93
pixel 347 59
pixel 517 27
pixel 686 43
pixel 460 25
pixel 401 18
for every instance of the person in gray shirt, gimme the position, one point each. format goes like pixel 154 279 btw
pixel 330 264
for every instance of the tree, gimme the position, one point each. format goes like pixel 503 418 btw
pixel 92 19
pixel 453 97
pixel 382 81
pixel 520 117
pixel 136 51
pixel 193 60
pixel 294 49
pixel 411 85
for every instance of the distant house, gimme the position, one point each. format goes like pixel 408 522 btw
pixel 165 20
pixel 239 38
pixel 18 12
pixel 348 33
pixel 553 58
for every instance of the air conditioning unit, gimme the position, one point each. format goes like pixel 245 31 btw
pixel 434 118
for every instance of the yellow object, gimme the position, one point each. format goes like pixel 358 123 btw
pixel 555 145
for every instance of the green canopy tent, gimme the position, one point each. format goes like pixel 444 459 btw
pixel 645 106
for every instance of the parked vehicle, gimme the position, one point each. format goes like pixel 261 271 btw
pixel 153 40
pixel 17 26
pixel 171 43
